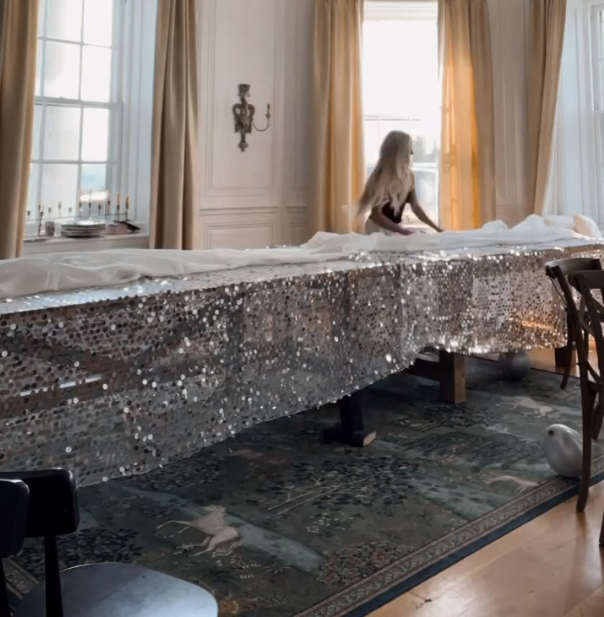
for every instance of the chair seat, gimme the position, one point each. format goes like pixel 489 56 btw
pixel 122 590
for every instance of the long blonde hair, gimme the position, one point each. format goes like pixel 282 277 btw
pixel 392 178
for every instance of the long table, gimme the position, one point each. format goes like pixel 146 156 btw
pixel 118 381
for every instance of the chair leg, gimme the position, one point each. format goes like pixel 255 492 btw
pixel 566 375
pixel 602 533
pixel 585 473
pixel 597 418
pixel 569 352
pixel 4 603
pixel 587 400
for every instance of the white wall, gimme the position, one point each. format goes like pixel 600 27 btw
pixel 255 198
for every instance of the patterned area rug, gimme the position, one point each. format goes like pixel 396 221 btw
pixel 276 524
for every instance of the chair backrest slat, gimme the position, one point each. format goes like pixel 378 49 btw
pixel 53 511
pixel 14 498
pixel 585 283
pixel 559 272
pixel 53 503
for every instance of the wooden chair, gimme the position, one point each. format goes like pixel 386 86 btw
pixel 98 590
pixel 558 271
pixel 587 323
pixel 14 497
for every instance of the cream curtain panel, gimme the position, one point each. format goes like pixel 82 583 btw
pixel 175 152
pixel 546 40
pixel 18 40
pixel 337 165
pixel 467 161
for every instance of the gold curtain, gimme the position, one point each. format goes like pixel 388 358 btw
pixel 546 39
pixel 175 151
pixel 18 41
pixel 467 158
pixel 337 165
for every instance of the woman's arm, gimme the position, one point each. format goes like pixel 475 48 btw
pixel 419 212
pixel 385 223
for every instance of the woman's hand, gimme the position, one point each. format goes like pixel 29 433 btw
pixel 405 232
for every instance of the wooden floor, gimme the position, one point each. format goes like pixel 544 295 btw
pixel 551 567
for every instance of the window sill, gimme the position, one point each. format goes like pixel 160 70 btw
pixel 68 245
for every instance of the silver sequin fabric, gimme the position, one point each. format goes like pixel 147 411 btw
pixel 112 382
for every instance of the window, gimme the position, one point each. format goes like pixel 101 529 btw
pixel 401 89
pixel 78 106
pixel 597 65
pixel 92 124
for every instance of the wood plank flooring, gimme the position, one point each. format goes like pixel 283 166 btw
pixel 550 567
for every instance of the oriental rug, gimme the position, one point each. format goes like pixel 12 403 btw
pixel 276 524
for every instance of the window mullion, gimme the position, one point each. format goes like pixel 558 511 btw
pixel 79 176
pixel 116 118
pixel 42 127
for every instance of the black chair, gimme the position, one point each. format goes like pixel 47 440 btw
pixel 589 319
pixel 14 497
pixel 98 590
pixel 558 271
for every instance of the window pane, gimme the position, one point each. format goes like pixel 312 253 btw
pixel 98 22
pixel 372 141
pixel 62 74
pixel 32 191
pixel 31 226
pixel 96 74
pixel 41 8
pixel 65 20
pixel 38 66
pixel 387 125
pixel 59 184
pixel 94 178
pixel 426 185
pixel 95 136
pixel 62 133
pixel 35 152
pixel 425 147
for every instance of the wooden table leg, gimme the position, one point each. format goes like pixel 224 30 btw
pixel 449 371
pixel 452 377
pixel 350 430
pixel 565 356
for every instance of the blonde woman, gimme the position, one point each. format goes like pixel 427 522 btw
pixel 390 188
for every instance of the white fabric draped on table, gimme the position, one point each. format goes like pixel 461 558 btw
pixel 59 272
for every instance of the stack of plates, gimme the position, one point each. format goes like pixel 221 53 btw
pixel 83 228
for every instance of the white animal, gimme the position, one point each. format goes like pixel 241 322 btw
pixel 213 525
pixel 563 448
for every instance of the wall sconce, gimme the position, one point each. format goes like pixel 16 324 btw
pixel 244 116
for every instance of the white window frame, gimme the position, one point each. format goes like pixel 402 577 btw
pixel 114 106
pixel 129 159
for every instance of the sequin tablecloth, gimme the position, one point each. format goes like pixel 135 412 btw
pixel 118 381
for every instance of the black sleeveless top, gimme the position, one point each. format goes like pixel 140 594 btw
pixel 395 214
